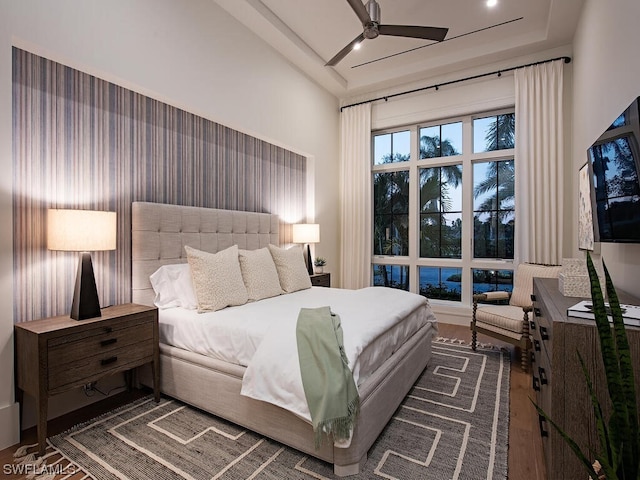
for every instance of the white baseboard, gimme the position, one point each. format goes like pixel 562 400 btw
pixel 10 422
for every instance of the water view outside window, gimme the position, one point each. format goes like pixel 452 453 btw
pixel 441 283
pixel 394 276
pixel 492 281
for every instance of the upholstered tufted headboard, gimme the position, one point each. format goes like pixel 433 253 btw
pixel 159 233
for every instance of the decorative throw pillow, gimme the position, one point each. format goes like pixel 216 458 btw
pixel 217 278
pixel 292 270
pixel 259 274
pixel 174 287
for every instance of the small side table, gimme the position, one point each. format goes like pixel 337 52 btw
pixel 56 354
pixel 321 279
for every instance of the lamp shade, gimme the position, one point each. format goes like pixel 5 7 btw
pixel 81 230
pixel 306 233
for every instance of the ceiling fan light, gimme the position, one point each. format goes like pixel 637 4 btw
pixel 357 46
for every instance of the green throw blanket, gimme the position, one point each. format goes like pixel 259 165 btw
pixel 328 383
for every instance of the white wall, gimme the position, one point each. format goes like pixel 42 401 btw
pixel 606 80
pixel 189 54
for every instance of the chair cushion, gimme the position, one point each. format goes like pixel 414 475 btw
pixel 523 281
pixel 507 317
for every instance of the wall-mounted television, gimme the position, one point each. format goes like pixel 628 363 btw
pixel 614 160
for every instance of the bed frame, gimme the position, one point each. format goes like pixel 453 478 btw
pixel 159 234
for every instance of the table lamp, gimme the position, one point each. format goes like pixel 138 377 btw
pixel 82 231
pixel 307 233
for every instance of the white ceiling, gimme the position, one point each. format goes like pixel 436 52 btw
pixel 310 32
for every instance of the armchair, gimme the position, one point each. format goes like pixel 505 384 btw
pixel 510 323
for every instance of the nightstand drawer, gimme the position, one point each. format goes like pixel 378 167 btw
pixel 86 368
pixel 65 350
pixel 321 280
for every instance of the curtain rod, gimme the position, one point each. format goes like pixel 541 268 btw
pixel 438 85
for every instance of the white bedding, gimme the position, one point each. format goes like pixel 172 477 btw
pixel 369 316
pixel 261 336
pixel 233 334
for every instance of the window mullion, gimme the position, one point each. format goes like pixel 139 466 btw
pixel 414 226
pixel 467 210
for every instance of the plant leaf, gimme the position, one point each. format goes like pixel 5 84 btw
pixel 631 445
pixel 607 455
pixel 618 426
pixel 573 445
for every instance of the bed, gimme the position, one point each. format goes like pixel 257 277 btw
pixel 159 234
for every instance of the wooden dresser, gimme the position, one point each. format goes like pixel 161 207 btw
pixel 56 354
pixel 558 381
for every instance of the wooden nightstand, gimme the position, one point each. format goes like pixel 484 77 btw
pixel 321 279
pixel 56 354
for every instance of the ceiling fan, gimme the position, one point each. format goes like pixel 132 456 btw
pixel 369 15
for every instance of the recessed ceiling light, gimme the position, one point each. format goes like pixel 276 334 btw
pixel 492 3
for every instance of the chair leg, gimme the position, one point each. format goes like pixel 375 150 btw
pixel 524 359
pixel 474 334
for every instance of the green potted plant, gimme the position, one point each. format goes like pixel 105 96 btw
pixel 619 455
pixel 319 263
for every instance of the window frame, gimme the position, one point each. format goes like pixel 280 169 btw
pixel 467 263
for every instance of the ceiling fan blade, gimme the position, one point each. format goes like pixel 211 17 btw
pixel 343 53
pixel 360 10
pixel 427 33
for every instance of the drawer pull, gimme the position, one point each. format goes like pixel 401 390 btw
pixel 543 376
pixel 532 325
pixel 542 422
pixel 536 312
pixel 107 361
pixel 532 357
pixel 536 345
pixel 536 384
pixel 543 333
pixel 109 341
pixel 533 297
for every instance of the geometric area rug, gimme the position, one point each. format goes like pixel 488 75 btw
pixel 453 424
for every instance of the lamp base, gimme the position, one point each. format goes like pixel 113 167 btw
pixel 85 295
pixel 309 262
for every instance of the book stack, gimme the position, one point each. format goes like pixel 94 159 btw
pixel 584 309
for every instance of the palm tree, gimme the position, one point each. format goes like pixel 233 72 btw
pixel 498 185
pixel 435 198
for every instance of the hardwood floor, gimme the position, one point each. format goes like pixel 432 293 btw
pixel 526 461
pixel 525 447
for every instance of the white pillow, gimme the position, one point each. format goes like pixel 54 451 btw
pixel 259 274
pixel 292 270
pixel 217 278
pixel 174 287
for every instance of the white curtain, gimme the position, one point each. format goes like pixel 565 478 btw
pixel 355 186
pixel 539 163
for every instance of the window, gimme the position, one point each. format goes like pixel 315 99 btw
pixel 444 206
pixel 391 218
pixel 441 211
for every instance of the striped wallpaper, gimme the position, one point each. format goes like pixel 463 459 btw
pixel 81 142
